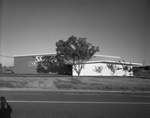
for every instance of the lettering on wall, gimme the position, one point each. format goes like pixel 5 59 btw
pixel 32 63
pixel 37 59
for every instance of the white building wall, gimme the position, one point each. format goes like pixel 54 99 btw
pixel 88 70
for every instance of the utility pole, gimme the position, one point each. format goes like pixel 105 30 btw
pixel 143 62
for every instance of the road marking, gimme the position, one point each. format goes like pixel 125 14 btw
pixel 28 93
pixel 128 95
pixel 79 102
pixel 106 94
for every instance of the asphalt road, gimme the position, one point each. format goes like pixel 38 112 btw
pixel 48 104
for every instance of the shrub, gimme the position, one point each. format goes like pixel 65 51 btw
pixel 143 72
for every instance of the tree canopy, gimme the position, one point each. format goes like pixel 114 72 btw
pixel 52 64
pixel 75 51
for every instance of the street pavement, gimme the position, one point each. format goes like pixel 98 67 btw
pixel 65 104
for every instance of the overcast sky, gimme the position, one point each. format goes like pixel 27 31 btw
pixel 118 27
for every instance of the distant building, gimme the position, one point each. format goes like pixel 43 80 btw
pixel 5 69
pixel 27 64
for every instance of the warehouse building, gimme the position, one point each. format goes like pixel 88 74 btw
pixel 27 64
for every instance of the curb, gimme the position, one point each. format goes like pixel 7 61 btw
pixel 71 90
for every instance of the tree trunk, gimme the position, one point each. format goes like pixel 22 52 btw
pixel 78 73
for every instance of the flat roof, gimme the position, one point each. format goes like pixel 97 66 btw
pixel 107 56
pixel 115 62
pixel 40 54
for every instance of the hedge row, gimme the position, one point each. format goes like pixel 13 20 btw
pixel 142 72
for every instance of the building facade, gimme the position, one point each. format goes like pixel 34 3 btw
pixel 98 65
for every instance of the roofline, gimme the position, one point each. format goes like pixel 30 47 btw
pixel 114 62
pixel 107 56
pixel 34 54
pixel 55 53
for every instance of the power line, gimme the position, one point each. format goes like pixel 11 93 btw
pixel 6 56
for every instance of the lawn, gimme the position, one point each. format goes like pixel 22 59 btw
pixel 74 83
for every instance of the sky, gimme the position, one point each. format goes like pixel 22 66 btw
pixel 119 27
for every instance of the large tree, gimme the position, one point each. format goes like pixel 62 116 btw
pixel 49 64
pixel 75 51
